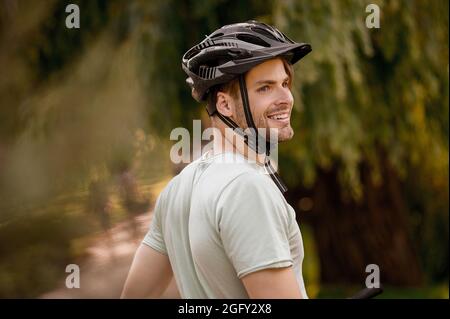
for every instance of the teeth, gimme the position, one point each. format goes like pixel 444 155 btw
pixel 279 117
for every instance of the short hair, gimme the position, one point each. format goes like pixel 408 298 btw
pixel 232 87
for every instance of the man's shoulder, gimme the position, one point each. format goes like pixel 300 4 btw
pixel 178 181
pixel 219 176
pixel 252 181
pixel 252 195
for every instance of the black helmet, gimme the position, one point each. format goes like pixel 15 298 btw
pixel 233 50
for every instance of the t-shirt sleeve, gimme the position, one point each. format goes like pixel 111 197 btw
pixel 154 237
pixel 254 224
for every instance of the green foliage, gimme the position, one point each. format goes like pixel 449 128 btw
pixel 35 250
pixel 41 46
pixel 362 90
pixel 366 94
pixel 170 28
pixel 389 292
pixel 71 108
pixel 61 45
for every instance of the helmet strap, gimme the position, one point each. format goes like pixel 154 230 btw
pixel 253 141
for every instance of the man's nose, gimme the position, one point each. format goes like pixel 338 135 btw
pixel 285 96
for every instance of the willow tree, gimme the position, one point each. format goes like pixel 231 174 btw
pixel 368 166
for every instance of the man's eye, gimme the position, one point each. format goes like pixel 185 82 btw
pixel 286 84
pixel 264 88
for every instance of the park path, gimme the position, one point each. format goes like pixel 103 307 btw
pixel 104 271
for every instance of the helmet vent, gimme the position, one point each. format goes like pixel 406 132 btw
pixel 265 33
pixel 229 44
pixel 216 35
pixel 252 39
pixel 207 72
pixel 205 44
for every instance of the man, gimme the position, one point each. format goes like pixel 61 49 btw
pixel 223 225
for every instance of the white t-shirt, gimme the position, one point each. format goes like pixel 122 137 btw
pixel 220 219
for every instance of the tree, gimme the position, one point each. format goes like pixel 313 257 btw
pixel 372 130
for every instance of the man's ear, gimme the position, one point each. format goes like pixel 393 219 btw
pixel 224 104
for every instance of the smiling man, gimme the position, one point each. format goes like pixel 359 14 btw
pixel 222 227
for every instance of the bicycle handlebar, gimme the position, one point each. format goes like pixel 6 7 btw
pixel 367 293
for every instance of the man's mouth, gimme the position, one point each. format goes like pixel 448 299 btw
pixel 281 118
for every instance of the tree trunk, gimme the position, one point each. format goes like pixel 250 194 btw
pixel 349 235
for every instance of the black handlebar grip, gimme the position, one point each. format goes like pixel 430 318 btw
pixel 367 293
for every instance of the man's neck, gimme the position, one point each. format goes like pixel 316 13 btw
pixel 231 142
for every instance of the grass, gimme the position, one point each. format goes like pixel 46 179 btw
pixel 315 289
pixel 436 291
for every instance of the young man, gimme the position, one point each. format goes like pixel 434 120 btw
pixel 223 225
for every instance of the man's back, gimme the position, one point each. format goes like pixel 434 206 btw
pixel 220 219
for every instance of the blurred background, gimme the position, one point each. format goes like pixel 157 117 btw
pixel 86 114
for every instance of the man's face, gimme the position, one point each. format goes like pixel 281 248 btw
pixel 270 97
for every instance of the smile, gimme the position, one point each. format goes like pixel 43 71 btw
pixel 280 117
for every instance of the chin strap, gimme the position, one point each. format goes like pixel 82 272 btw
pixel 252 137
